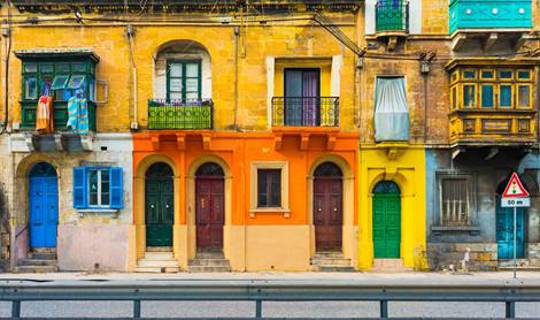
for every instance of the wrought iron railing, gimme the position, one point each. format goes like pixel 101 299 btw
pixel 305 111
pixel 392 15
pixel 181 115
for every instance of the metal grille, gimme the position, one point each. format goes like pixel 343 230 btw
pixel 455 202
pixel 392 15
pixel 305 111
pixel 181 115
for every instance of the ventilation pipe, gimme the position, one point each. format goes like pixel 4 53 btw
pixel 130 33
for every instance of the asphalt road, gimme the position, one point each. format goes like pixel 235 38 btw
pixel 270 309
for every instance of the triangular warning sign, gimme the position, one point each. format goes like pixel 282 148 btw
pixel 515 188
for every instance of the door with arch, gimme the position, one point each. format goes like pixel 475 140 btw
pixel 159 205
pixel 43 198
pixel 386 220
pixel 210 206
pixel 327 207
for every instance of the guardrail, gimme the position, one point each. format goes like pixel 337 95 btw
pixel 260 291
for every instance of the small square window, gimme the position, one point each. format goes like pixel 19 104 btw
pixel 78 68
pixel 59 82
pixel 269 188
pixel 30 67
pixel 524 74
pixel 487 74
pixel 469 74
pixel 505 74
pixel 46 68
pixel 61 68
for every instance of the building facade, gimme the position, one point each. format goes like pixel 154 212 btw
pixel 267 135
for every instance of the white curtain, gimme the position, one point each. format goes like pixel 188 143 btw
pixel 391 110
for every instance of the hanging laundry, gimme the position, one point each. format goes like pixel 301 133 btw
pixel 73 113
pixel 82 125
pixel 44 115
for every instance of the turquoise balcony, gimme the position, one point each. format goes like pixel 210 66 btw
pixel 489 14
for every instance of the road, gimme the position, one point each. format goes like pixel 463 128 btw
pixel 276 309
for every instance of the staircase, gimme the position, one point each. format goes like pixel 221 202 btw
pixel 388 265
pixel 331 262
pixel 38 261
pixel 157 262
pixel 209 262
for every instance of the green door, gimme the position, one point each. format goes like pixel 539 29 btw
pixel 386 220
pixel 159 202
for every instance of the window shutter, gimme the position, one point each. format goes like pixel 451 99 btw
pixel 117 198
pixel 80 191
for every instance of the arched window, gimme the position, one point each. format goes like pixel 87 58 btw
pixel 42 169
pixel 210 169
pixel 387 187
pixel 159 170
pixel 328 169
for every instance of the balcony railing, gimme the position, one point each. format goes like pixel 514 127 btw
pixel 305 111
pixel 180 115
pixel 60 115
pixel 490 14
pixel 392 15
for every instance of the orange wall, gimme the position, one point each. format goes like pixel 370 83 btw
pixel 238 150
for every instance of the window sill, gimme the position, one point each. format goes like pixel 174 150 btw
pixel 472 229
pixel 285 212
pixel 98 212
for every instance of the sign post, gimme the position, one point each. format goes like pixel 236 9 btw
pixel 515 196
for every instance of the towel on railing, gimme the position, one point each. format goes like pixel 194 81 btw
pixel 73 113
pixel 44 115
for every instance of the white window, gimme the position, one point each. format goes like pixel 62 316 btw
pixel 99 187
pixel 456 201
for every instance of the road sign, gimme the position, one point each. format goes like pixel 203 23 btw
pixel 514 188
pixel 515 202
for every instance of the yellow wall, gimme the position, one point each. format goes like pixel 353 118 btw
pixel 404 165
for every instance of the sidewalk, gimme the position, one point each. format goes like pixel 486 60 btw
pixel 361 278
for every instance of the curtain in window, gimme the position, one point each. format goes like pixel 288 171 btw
pixel 391 110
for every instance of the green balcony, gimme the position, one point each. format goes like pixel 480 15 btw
pixel 180 115
pixel 60 115
pixel 392 16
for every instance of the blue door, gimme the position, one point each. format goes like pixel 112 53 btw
pixel 505 232
pixel 43 206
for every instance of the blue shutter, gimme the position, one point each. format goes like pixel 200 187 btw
pixel 80 192
pixel 117 195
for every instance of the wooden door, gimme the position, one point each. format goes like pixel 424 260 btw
pixel 43 198
pixel 387 221
pixel 159 202
pixel 328 215
pixel 505 232
pixel 210 214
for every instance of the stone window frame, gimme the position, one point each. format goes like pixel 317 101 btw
pixel 284 208
pixel 438 225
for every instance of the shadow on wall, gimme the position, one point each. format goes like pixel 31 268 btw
pixel 4 229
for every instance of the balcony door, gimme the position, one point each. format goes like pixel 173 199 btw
pixel 302 96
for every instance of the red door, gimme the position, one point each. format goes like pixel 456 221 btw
pixel 328 216
pixel 210 215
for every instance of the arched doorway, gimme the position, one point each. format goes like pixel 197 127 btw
pixel 505 228
pixel 210 207
pixel 327 207
pixel 159 205
pixel 43 198
pixel 386 220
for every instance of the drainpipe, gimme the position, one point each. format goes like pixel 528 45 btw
pixel 6 33
pixel 236 58
pixel 130 32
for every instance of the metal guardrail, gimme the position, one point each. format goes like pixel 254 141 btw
pixel 180 115
pixel 305 111
pixel 260 291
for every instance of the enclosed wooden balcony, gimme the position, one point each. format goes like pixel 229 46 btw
pixel 489 23
pixel 493 106
pixel 180 115
pixel 392 17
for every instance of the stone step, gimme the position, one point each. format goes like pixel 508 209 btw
pixel 209 255
pixel 158 249
pixel 388 265
pixel 330 268
pixel 159 256
pixel 42 255
pixel 37 262
pixel 331 262
pixel 36 269
pixel 209 262
pixel 329 254
pixel 200 269
pixel 157 269
pixel 156 263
